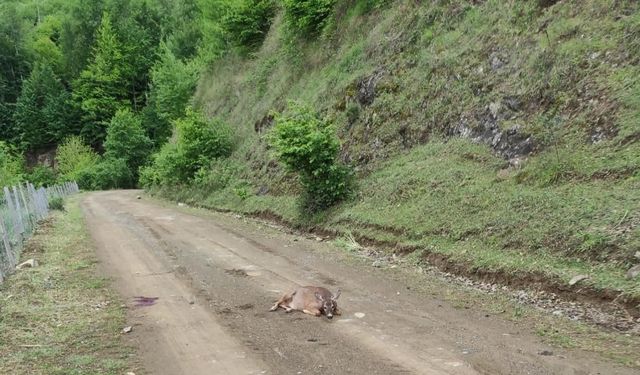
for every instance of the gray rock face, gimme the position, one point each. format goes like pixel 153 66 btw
pixel 511 143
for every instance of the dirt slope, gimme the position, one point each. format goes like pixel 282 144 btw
pixel 217 276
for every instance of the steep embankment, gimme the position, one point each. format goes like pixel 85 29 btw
pixel 492 138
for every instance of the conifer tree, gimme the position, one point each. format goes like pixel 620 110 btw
pixel 101 89
pixel 42 111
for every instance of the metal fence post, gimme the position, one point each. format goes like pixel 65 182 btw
pixel 18 208
pixel 8 249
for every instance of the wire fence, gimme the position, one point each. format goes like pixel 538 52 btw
pixel 21 208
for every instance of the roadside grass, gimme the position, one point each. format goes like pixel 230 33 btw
pixel 450 198
pixel 60 317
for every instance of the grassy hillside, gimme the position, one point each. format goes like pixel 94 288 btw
pixel 492 137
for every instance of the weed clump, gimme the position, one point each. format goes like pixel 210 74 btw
pixel 56 203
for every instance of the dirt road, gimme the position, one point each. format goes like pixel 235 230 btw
pixel 216 276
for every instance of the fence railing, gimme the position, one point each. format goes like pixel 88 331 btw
pixel 21 208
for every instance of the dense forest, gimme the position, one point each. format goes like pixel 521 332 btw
pixel 88 90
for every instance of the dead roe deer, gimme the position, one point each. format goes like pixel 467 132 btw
pixel 312 300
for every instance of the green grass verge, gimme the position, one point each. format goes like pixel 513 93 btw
pixel 61 317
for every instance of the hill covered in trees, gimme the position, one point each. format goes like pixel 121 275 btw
pixel 103 79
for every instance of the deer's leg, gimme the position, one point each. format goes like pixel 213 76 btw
pixel 314 312
pixel 281 303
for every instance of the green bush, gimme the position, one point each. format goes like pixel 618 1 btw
pixel 126 140
pixel 247 25
pixel 42 176
pixel 169 167
pixel 107 174
pixel 201 140
pixel 73 156
pixel 364 6
pixel 56 203
pixel 11 166
pixel 307 18
pixel 308 145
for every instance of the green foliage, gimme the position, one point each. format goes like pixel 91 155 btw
pixel 108 173
pixel 352 112
pixel 201 140
pixel 11 166
pixel 56 203
pixel 44 44
pixel 221 174
pixel 126 140
pixel 168 168
pixel 77 161
pixel 42 176
pixel 248 24
pixel 77 35
pixel 157 129
pixel 364 6
pixel 14 54
pixel 173 82
pixel 14 65
pixel 183 27
pixel 308 145
pixel 42 113
pixel 102 89
pixel 306 18
pixel 138 25
pixel 74 156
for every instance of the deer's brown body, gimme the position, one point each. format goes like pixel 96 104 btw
pixel 312 300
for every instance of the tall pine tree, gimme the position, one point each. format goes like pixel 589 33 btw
pixel 102 88
pixel 42 114
pixel 14 65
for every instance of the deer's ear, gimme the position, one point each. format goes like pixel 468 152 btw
pixel 337 295
pixel 319 296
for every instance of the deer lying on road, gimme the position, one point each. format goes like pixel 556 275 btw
pixel 312 300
